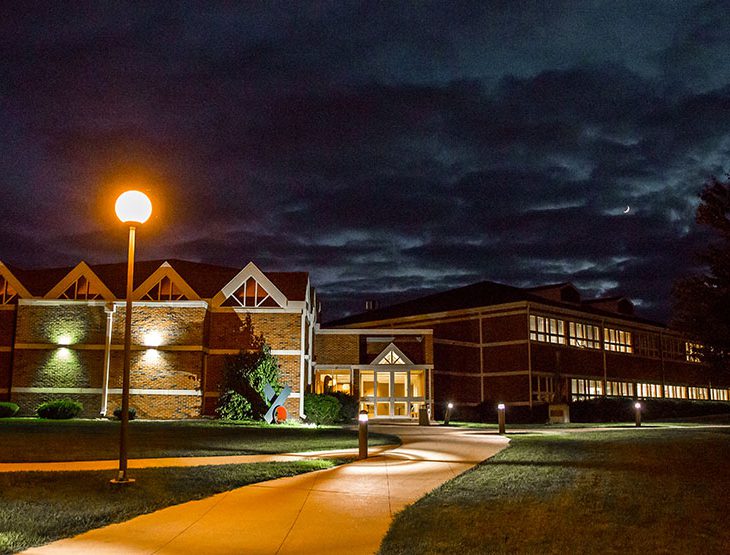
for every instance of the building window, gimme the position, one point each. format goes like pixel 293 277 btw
pixel 8 295
pixel 333 381
pixel 674 349
pixel 692 351
pixel 585 389
pixel 675 392
pixel 648 390
pixel 586 336
pixel 647 345
pixel 617 340
pixel 81 289
pixel 719 394
pixel 619 389
pixel 547 330
pixel 164 290
pixel 543 389
pixel 699 393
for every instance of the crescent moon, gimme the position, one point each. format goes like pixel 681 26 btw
pixel 627 210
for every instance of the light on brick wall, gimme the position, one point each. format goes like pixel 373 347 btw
pixel 63 353
pixel 64 339
pixel 153 339
pixel 151 356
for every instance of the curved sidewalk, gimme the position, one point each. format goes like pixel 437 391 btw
pixel 346 509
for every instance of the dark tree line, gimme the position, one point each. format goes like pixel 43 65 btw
pixel 702 301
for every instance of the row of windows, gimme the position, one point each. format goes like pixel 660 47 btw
pixel 588 336
pixel 589 388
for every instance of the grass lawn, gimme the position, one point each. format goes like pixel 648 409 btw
pixel 636 491
pixel 39 507
pixel 32 439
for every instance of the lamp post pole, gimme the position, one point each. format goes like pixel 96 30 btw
pixel 124 429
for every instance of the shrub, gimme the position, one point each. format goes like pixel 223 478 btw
pixel 60 409
pixel 322 409
pixel 132 412
pixel 8 409
pixel 349 406
pixel 234 406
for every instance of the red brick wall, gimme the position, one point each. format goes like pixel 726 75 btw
pixel 77 323
pixel 230 330
pixel 506 358
pixel 507 389
pixel 337 349
pixel 504 328
pixel 463 330
pixel 175 325
pixel 460 389
pixel 455 358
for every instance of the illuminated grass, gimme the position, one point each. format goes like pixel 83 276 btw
pixel 35 440
pixel 39 507
pixel 635 491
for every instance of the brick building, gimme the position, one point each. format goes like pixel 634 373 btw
pixel 493 342
pixel 62 333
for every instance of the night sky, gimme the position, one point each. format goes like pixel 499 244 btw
pixel 391 150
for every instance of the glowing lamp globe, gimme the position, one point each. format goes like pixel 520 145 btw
pixel 133 207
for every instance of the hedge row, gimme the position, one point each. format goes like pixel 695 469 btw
pixel 330 408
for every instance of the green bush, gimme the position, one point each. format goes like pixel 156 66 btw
pixel 349 406
pixel 60 409
pixel 234 406
pixel 132 413
pixel 8 409
pixel 322 409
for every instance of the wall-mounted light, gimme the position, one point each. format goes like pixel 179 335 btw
pixel 152 339
pixel 64 339
pixel 64 353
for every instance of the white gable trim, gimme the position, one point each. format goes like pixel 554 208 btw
pixel 81 269
pixel 250 270
pixel 165 270
pixel 391 348
pixel 14 282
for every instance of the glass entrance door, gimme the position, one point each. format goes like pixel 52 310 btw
pixel 392 393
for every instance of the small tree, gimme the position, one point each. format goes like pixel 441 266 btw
pixel 702 302
pixel 245 377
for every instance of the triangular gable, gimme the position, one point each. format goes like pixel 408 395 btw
pixel 10 288
pixel 81 284
pixel 165 284
pixel 391 355
pixel 250 288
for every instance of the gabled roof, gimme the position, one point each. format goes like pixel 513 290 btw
pixel 205 279
pixel 483 294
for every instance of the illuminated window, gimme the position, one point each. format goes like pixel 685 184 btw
pixel 333 381
pixel 648 390
pixel 617 340
pixel 8 295
pixel 693 352
pixel 391 358
pixel 699 393
pixel 675 392
pixel 164 290
pixel 719 394
pixel 647 345
pixel 251 295
pixel 81 289
pixel 619 389
pixel 585 389
pixel 584 335
pixel 547 330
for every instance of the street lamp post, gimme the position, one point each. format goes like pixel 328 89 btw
pixel 500 417
pixel 637 413
pixel 132 207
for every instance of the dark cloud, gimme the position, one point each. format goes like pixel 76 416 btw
pixel 390 149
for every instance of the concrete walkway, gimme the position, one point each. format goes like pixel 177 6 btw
pixel 346 509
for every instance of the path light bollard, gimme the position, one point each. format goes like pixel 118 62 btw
pixel 637 408
pixel 362 434
pixel 447 416
pixel 500 415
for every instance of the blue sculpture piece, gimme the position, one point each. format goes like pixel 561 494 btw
pixel 275 401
